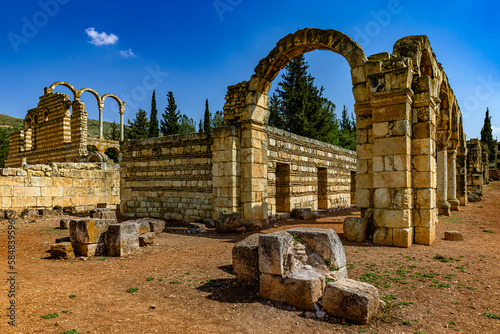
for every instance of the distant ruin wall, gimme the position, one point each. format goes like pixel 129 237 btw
pixel 63 184
pixel 306 173
pixel 167 174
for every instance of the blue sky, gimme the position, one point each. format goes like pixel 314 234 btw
pixel 197 48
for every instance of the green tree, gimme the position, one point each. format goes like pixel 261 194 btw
pixel 153 118
pixel 207 117
pixel 186 124
pixel 217 119
pixel 487 135
pixel 298 105
pixel 4 146
pixel 347 135
pixel 114 133
pixel 170 122
pixel 139 127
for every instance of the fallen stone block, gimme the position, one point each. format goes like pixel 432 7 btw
pixel 146 239
pixel 246 260
pixel 89 249
pixel 122 239
pixel 473 197
pixel 273 248
pixel 102 205
pixel 227 222
pixel 11 214
pixel 142 225
pixel 102 214
pixel 301 292
pixel 64 223
pixel 45 212
pixel 303 213
pixel 351 300
pixel 156 225
pixel 355 229
pixel 453 235
pixel 88 230
pixel 69 210
pixel 63 250
pixel 29 213
pixel 57 210
pixel 63 239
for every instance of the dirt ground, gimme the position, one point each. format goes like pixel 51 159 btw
pixel 185 283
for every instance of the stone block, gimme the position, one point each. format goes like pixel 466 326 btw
pixel 101 213
pixel 392 218
pixel 382 236
pixel 64 223
pixel 227 222
pixel 156 225
pixel 453 235
pixel 300 292
pixel 324 242
pixel 273 248
pixel 402 237
pixel 63 250
pixel 89 249
pixel 11 214
pixel 88 230
pixel 246 260
pixel 122 239
pixel 355 229
pixel 63 239
pixel 351 300
pixel 301 213
pixel 425 235
pixel 142 225
pixel 146 239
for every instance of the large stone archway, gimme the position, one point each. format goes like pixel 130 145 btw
pixel 397 111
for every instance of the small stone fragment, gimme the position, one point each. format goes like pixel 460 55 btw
pixel 453 235
pixel 146 239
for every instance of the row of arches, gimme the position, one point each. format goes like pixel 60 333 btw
pixel 77 93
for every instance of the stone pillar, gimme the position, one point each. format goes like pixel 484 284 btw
pixel 79 127
pixel 462 171
pixel 122 129
pixel 442 180
pixel 101 124
pixel 392 179
pixel 452 180
pixel 424 164
pixel 364 163
pixel 226 170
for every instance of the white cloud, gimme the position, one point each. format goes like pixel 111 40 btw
pixel 101 38
pixel 127 53
pixel 495 130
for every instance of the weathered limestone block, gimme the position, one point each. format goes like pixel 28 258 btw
pixel 11 214
pixel 304 213
pixel 301 292
pixel 246 260
pixel 273 248
pixel 453 235
pixel 69 210
pixel 89 249
pixel 2 214
pixel 102 213
pixel 88 230
pixel 227 222
pixel 142 225
pixel 351 300
pixel 57 210
pixel 64 223
pixel 63 250
pixel 122 239
pixel 29 213
pixel 156 225
pixel 63 239
pixel 472 197
pixel 146 239
pixel 323 242
pixel 355 229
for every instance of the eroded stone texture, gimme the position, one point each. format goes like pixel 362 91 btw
pixel 146 239
pixel 351 300
pixel 246 260
pixel 227 222
pixel 355 228
pixel 88 230
pixel 89 249
pixel 62 250
pixel 453 235
pixel 122 239
pixel 103 213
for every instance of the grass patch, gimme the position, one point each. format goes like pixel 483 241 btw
pixel 405 323
pixel 491 315
pixel 103 258
pixel 132 290
pixel 70 331
pixel 72 296
pixel 49 316
pixel 149 279
pixel 175 282
pixel 488 231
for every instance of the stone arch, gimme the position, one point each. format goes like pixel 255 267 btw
pixel 93 92
pixel 426 64
pixel 444 115
pixel 304 41
pixel 121 104
pixel 65 84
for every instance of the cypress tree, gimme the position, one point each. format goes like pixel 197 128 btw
pixel 207 126
pixel 139 127
pixel 487 135
pixel 170 122
pixel 153 118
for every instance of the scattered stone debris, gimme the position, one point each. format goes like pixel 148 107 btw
pixel 453 235
pixel 102 213
pixel 11 214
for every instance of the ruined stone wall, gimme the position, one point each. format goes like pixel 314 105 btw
pixel 306 173
pixel 475 166
pixel 63 184
pixel 167 174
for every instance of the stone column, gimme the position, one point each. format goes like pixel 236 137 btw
pixel 442 180
pixel 452 180
pixel 122 129
pixel 364 163
pixel 462 171
pixel 392 179
pixel 101 124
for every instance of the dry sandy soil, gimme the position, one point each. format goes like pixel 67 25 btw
pixel 185 283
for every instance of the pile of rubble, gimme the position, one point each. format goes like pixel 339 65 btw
pixel 305 268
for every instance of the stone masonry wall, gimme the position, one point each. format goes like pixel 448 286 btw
pixel 167 174
pixel 63 184
pixel 304 172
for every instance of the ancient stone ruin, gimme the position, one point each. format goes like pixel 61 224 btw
pixel 306 268
pixel 56 130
